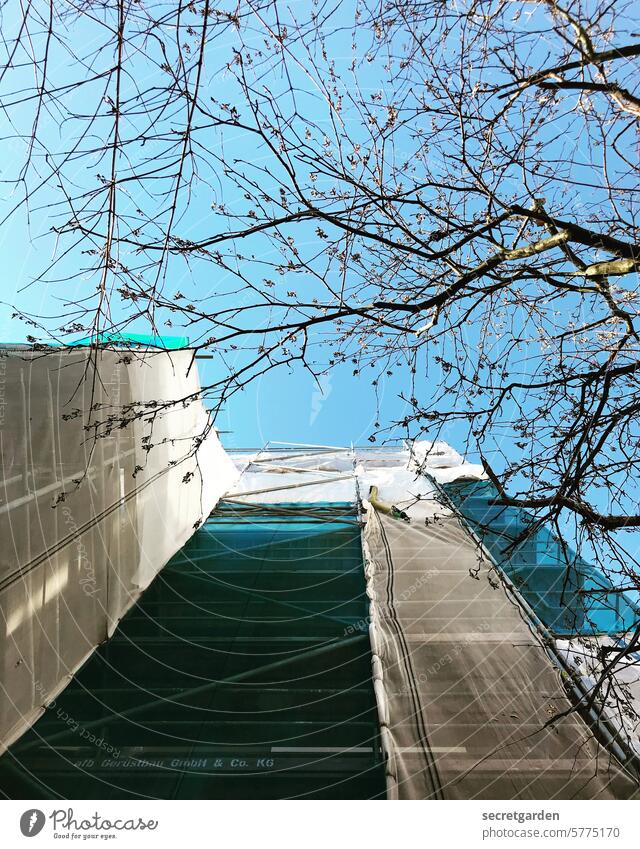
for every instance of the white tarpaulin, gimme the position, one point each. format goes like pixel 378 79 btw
pixel 101 486
pixel 471 704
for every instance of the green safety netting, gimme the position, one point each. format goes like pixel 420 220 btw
pixel 243 672
pixel 569 595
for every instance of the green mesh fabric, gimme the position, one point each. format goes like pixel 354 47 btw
pixel 243 672
pixel 568 594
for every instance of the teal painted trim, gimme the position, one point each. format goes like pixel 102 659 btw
pixel 135 340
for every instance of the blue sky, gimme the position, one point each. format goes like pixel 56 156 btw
pixel 287 404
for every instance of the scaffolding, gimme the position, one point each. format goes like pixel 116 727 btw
pixel 243 672
pixel 336 628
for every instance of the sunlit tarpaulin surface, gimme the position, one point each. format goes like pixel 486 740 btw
pixel 95 500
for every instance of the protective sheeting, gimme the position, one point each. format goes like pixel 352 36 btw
pixel 569 595
pixel 243 672
pixel 102 484
pixel 465 687
pixel 255 487
pixel 314 474
pixel 608 672
pixel 299 475
pixel 463 681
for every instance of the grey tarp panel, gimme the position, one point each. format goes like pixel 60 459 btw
pixel 85 522
pixel 464 684
pixel 53 582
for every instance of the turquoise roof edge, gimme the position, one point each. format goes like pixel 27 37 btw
pixel 136 339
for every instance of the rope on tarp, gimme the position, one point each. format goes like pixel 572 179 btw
pixel 377 669
pixel 411 678
pixel 309 510
pixel 288 456
pixel 282 470
pixel 309 445
pixel 289 508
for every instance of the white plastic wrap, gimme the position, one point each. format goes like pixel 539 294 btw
pixel 95 500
